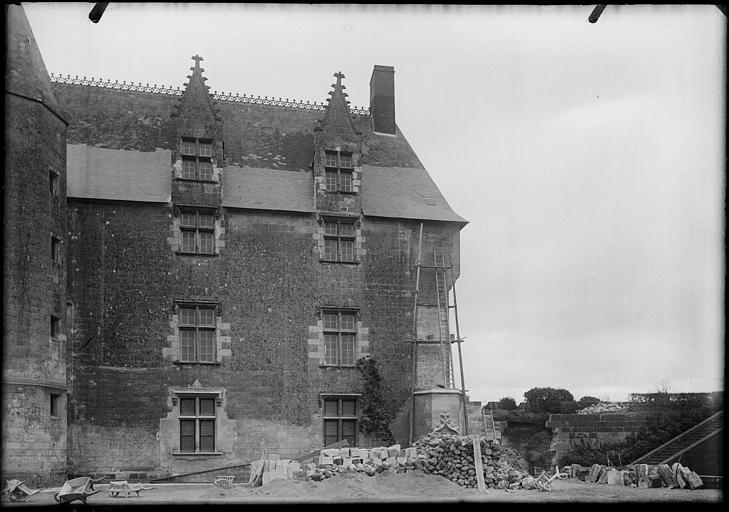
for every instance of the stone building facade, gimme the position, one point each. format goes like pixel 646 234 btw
pixel 225 262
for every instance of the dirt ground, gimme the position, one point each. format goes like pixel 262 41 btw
pixel 387 486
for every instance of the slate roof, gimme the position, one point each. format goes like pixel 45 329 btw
pixel 269 151
pixel 267 189
pixel 116 174
pixel 402 192
pixel 260 136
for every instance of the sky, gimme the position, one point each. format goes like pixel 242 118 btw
pixel 588 158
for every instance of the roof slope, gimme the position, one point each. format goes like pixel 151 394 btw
pixel 26 72
pixel 401 192
pixel 116 174
pixel 255 135
pixel 267 189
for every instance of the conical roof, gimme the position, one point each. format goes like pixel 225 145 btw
pixel 195 101
pixel 337 118
pixel 25 71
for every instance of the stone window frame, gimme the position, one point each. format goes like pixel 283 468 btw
pixel 172 352
pixel 337 169
pixel 213 229
pixel 339 418
pixel 195 157
pixel 339 332
pixel 338 238
pixel 196 419
pixel 215 327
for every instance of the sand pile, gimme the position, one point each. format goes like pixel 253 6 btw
pixel 351 485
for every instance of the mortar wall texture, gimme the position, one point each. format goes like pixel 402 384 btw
pixel 34 266
pixel 129 280
pixel 573 431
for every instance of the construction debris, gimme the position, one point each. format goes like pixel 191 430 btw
pixel 118 488
pixel 448 455
pixel 602 407
pixel 451 456
pixel 16 490
pixel 644 476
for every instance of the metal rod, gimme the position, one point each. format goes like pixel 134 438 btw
pixel 460 357
pixel 415 337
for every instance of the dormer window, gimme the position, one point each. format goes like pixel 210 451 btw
pixel 338 171
pixel 197 159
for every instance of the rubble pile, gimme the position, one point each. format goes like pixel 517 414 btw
pixel 447 455
pixel 602 407
pixel 451 456
pixel 363 460
pixel 644 476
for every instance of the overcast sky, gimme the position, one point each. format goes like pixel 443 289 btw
pixel 588 159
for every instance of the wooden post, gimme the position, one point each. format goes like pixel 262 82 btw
pixel 478 463
pixel 415 338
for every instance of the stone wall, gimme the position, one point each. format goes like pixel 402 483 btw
pixel 34 292
pixel 269 287
pixel 571 431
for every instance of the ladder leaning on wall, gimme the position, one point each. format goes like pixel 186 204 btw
pixel 443 273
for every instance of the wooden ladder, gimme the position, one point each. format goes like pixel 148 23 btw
pixel 489 426
pixel 441 292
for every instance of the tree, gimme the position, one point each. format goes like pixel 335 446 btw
pixel 547 399
pixel 587 401
pixel 507 403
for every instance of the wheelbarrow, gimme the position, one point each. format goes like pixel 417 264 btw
pixel 75 489
pixel 16 490
pixel 116 488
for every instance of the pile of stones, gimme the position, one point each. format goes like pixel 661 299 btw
pixel 601 407
pixel 451 456
pixel 369 461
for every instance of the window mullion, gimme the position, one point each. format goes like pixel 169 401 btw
pixel 197 424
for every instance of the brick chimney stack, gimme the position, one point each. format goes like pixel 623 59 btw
pixel 382 99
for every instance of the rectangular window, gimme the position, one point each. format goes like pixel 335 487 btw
pixel 196 324
pixel 339 238
pixel 340 334
pixel 54 182
pixel 55 399
pixel 197 160
pixel 345 160
pixel 197 423
pixel 340 420
pixel 338 174
pixel 198 232
pixel 55 328
pixel 55 249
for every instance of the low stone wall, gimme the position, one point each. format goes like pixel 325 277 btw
pixel 572 431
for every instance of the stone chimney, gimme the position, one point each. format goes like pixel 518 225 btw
pixel 382 99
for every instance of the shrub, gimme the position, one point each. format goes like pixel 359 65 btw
pixel 668 416
pixel 568 407
pixel 546 399
pixel 587 401
pixel 586 453
pixel 376 409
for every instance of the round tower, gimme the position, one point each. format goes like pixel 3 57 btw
pixel 34 272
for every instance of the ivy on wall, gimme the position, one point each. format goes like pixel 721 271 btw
pixel 376 410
